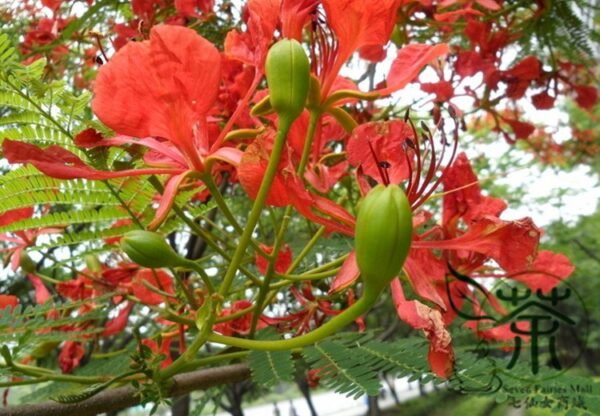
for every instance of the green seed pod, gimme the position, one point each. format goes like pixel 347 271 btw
pixel 149 249
pixel 288 76
pixel 383 235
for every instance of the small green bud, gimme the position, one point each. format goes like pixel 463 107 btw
pixel 92 263
pixel 149 249
pixel 383 235
pixel 288 76
pixel 26 263
pixel 43 349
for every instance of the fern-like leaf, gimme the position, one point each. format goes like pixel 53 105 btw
pixel 271 367
pixel 342 369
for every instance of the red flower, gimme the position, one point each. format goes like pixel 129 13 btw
pixel 587 96
pixel 511 244
pixel 241 325
pixel 8 301
pixel 70 356
pixel 156 94
pixel 118 323
pixel 282 263
pixel 312 313
pixel 20 240
pixel 148 283
pixel 164 348
pixel 420 316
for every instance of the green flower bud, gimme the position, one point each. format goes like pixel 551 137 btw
pixel 149 249
pixel 383 235
pixel 92 263
pixel 288 76
pixel 26 263
pixel 43 349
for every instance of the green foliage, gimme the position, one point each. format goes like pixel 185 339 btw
pixel 21 323
pixel 561 29
pixel 270 368
pixel 349 363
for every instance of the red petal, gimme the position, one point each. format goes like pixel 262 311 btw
pixel 488 4
pixel 59 163
pixel 357 23
pixel 528 69
pixel 252 170
pixel 168 199
pixel 521 129
pixel 543 101
pixel 15 215
pixel 8 301
pixel 443 90
pixel 425 273
pixel 547 271
pixel 463 197
pixel 347 275
pixel 468 63
pixel 188 8
pixel 88 138
pixel 294 16
pixel 54 161
pixel 420 316
pixel 408 64
pixel 70 356
pixel 157 278
pixel 587 96
pixel 387 140
pixel 75 289
pixel 282 263
pixel 118 324
pixel 42 295
pixel 513 244
pixel 158 87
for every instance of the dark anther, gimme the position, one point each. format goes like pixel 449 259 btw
pixel 409 143
pixel 424 127
pixel 99 60
pixel 385 165
pixel 452 112
pixel 406 115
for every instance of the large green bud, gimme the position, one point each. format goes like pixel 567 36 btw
pixel 383 235
pixel 288 76
pixel 149 249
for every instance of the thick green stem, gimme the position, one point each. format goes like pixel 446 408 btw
pixel 331 327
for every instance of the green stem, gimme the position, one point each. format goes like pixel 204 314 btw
pixel 258 205
pixel 309 276
pixel 201 362
pixel 206 236
pixel 278 244
pixel 215 192
pixel 310 135
pixel 311 243
pixel 198 269
pixel 262 292
pixel 238 255
pixel 331 327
